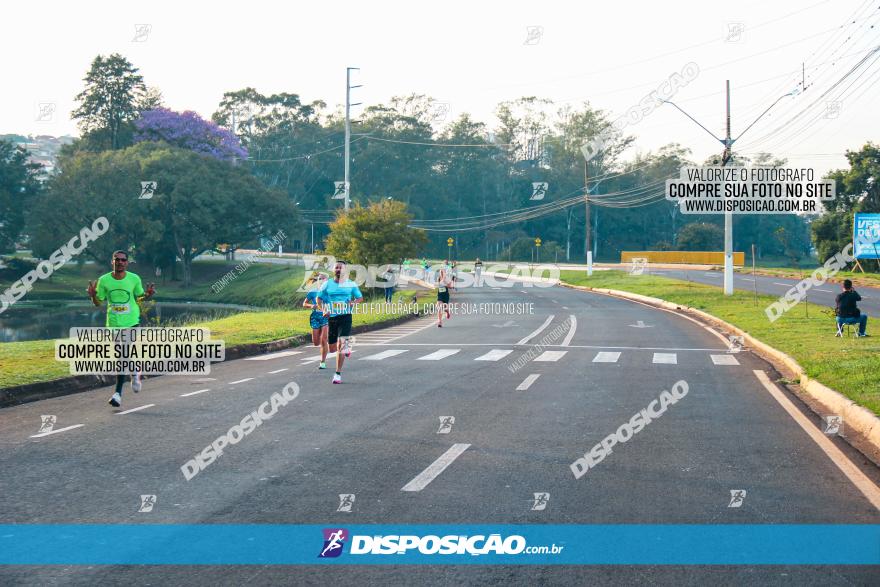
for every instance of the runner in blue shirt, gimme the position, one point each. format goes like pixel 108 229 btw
pixel 336 299
pixel 317 319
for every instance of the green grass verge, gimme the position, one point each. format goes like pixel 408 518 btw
pixel 34 361
pixel 848 365
pixel 858 278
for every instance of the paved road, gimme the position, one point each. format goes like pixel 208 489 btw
pixel 777 286
pixel 520 428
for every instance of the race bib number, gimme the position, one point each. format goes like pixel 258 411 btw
pixel 442 289
pixel 120 309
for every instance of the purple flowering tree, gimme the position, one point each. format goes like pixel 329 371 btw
pixel 190 131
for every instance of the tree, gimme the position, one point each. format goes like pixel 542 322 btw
pixel 188 130
pixel 200 202
pixel 18 186
pixel 109 102
pixel 377 234
pixel 700 236
pixel 858 190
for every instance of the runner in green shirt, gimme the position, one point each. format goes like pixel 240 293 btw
pixel 122 290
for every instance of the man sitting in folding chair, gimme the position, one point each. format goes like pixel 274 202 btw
pixel 847 311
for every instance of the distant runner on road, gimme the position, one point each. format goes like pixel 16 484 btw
pixel 478 271
pixel 444 283
pixel 335 299
pixel 317 320
pixel 122 290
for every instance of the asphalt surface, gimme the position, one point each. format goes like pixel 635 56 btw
pixel 377 433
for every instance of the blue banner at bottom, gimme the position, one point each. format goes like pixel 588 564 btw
pixel 140 544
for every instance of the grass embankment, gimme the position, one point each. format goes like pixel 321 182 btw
pixel 848 365
pixel 270 286
pixel 34 361
pixel 857 277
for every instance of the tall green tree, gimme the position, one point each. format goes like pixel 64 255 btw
pixel 111 101
pixel 199 203
pixel 18 186
pixel 376 234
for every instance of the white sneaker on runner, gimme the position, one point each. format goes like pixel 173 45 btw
pixel 337 378
pixel 115 400
pixel 136 383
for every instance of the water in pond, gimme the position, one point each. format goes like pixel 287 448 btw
pixel 47 320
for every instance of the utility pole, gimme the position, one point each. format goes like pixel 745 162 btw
pixel 728 216
pixel 589 252
pixel 726 157
pixel 348 105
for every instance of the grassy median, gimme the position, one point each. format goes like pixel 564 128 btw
pixel 806 332
pixel 34 361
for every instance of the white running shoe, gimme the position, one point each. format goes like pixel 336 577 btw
pixel 115 400
pixel 136 383
pixel 337 378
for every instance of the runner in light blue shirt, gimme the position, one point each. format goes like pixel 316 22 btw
pixel 336 300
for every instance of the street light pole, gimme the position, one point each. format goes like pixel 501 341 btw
pixel 728 216
pixel 726 157
pixel 348 105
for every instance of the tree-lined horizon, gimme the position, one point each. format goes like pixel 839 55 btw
pixel 459 178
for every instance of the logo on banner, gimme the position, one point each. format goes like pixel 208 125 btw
pixel 340 190
pixel 334 540
pixel 539 190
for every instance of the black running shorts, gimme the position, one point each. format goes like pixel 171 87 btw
pixel 339 326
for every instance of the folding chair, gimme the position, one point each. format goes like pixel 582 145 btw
pixel 848 327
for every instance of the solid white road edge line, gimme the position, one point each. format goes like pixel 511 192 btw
pixel 859 479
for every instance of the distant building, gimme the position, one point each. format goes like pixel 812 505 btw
pixel 43 150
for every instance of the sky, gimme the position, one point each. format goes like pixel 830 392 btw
pixel 473 55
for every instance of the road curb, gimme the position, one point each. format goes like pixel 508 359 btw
pixel 855 417
pixel 21 394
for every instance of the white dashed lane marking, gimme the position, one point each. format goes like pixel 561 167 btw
pixel 274 356
pixel 606 357
pixel 437 355
pixel 65 429
pixel 724 360
pixel 665 359
pixel 384 355
pixel 434 469
pixel 550 356
pixel 277 371
pixel 527 382
pixel 494 355
pixel 194 392
pixel 241 381
pixel 137 409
